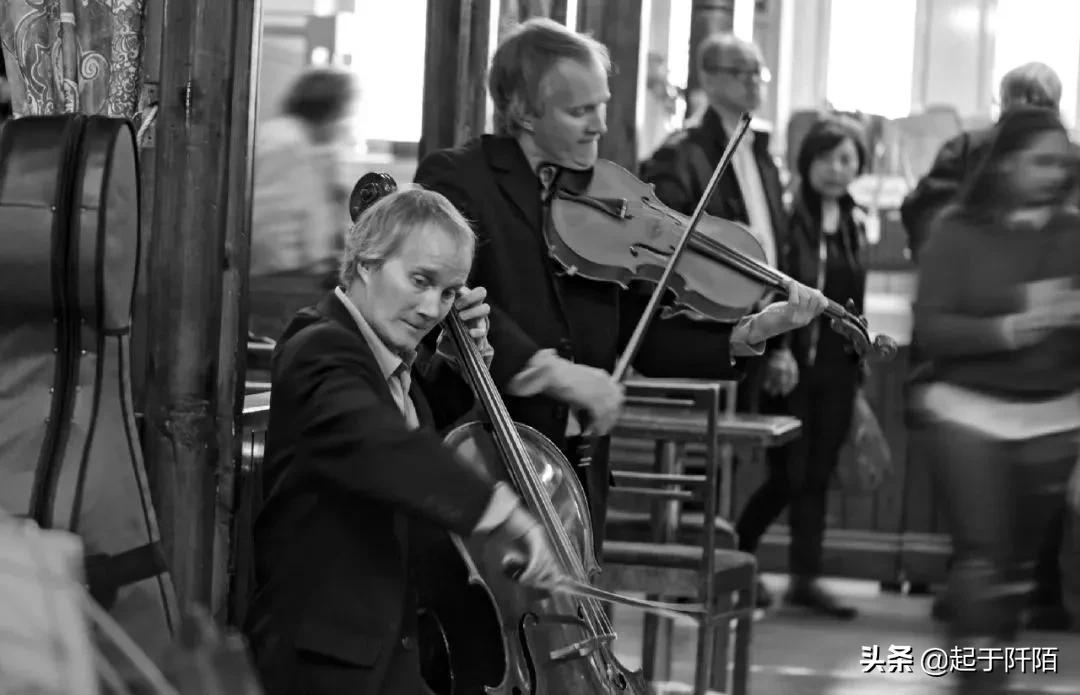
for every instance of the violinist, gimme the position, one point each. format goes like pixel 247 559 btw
pixel 557 336
pixel 354 467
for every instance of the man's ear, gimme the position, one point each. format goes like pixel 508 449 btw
pixel 363 271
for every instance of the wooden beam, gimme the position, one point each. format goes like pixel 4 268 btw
pixel 455 65
pixel 512 12
pixel 617 24
pixel 204 98
pixel 232 357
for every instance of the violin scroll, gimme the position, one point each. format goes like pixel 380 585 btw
pixel 853 327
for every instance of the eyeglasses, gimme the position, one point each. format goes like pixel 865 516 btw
pixel 759 74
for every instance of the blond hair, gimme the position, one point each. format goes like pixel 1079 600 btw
pixel 383 228
pixel 522 62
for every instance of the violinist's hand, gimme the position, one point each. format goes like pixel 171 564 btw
pixel 802 306
pixel 522 546
pixel 781 373
pixel 474 313
pixel 592 390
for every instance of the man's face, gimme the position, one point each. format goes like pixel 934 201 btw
pixel 408 294
pixel 735 84
pixel 575 97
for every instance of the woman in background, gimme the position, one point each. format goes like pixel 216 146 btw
pixel 997 314
pixel 815 369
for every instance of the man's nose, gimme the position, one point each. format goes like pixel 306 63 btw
pixel 599 122
pixel 430 306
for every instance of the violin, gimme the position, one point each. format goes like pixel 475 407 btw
pixel 617 230
pixel 480 630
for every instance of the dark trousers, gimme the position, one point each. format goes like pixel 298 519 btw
pixel 1002 501
pixel 799 473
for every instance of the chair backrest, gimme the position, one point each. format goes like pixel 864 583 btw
pixel 674 413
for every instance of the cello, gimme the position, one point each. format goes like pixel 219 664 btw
pixel 551 643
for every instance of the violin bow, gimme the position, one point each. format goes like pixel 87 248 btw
pixel 634 344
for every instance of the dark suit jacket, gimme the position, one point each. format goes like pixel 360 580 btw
pixel 956 159
pixel 537 306
pixel 348 488
pixel 681 168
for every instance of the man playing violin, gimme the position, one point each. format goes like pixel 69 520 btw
pixel 557 336
pixel 354 469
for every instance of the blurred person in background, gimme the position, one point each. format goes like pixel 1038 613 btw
pixel 299 211
pixel 997 313
pixel 731 73
pixel 813 366
pixel 1031 84
pixel 1025 86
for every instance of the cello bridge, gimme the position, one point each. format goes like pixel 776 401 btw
pixel 579 650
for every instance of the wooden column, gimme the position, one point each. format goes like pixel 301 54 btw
pixel 707 17
pixel 512 12
pixel 617 24
pixel 455 67
pixel 197 262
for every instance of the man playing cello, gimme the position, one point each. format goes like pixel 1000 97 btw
pixel 352 463
pixel 558 336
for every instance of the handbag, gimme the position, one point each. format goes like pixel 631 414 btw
pixel 865 458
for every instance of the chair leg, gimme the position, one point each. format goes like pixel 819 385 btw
pixel 719 654
pixel 656 648
pixel 705 666
pixel 740 659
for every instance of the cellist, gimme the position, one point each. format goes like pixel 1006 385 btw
pixel 557 337
pixel 353 464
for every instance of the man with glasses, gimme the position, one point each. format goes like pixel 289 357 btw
pixel 731 74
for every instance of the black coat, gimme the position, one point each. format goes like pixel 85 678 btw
pixel 803 262
pixel 681 168
pixel 683 165
pixel 955 161
pixel 349 490
pixel 536 306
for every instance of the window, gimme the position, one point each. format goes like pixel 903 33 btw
pixel 386 41
pixel 872 56
pixel 1047 31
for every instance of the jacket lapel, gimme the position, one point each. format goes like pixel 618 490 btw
pixel 518 183
pixel 331 308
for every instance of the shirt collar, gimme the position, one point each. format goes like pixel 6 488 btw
pixel 389 361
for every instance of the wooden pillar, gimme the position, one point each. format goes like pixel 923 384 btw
pixel 707 17
pixel 617 24
pixel 514 11
pixel 197 262
pixel 455 67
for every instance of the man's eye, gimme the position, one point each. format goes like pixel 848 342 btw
pixel 419 280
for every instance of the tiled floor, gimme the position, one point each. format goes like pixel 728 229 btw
pixel 796 654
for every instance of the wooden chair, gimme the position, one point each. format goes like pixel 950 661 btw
pixel 675 560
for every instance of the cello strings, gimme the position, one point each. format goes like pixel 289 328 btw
pixel 528 485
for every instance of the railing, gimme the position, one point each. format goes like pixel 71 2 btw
pixel 246 498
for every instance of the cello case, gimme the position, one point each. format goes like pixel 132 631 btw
pixel 70 456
